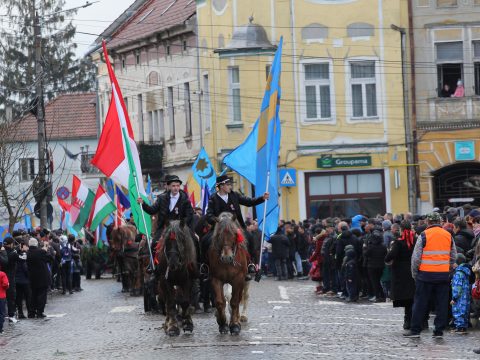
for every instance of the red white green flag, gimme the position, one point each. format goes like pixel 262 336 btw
pixel 102 207
pixel 82 201
pixel 117 154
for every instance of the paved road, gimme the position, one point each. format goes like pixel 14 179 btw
pixel 286 321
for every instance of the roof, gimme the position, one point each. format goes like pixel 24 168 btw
pixel 68 116
pixel 155 16
pixel 249 37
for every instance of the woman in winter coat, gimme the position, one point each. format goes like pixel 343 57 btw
pixel 375 256
pixel 402 283
pixel 318 257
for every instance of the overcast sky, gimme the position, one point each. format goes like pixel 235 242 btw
pixel 94 19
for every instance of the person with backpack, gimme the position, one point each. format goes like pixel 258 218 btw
pixel 461 295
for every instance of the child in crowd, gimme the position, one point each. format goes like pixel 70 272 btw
pixel 461 295
pixel 3 297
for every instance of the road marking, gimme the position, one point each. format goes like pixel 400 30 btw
pixel 277 307
pixel 257 352
pixel 279 302
pixel 56 315
pixel 283 292
pixel 122 309
pixel 253 329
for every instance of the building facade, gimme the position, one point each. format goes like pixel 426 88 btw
pixel 71 139
pixel 154 53
pixel 446 38
pixel 342 110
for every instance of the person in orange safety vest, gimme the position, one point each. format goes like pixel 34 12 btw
pixel 432 261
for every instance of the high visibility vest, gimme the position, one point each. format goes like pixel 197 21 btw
pixel 436 252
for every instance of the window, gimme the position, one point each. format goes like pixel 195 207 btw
pixel 317 91
pixel 206 103
pixel 137 58
pixel 167 50
pixel 364 89
pixel 125 101
pixel 267 71
pixel 476 63
pixel 123 63
pixel 235 101
pixel 85 164
pixel 184 45
pixel 141 130
pixel 446 3
pixel 345 194
pixel 171 112
pixel 151 121
pixel 188 109
pixel 449 59
pixel 161 125
pixel 27 169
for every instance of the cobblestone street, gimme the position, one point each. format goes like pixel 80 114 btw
pixel 286 321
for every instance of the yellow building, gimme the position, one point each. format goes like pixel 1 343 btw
pixel 343 128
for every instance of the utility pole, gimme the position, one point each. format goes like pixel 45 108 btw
pixel 411 171
pixel 39 103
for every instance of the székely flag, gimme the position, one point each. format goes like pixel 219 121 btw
pixel 117 154
pixel 102 207
pixel 82 201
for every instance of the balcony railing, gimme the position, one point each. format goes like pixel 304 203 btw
pixel 451 113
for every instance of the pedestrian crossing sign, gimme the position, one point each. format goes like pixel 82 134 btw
pixel 288 177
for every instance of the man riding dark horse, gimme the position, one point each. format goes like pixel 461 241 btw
pixel 226 200
pixel 173 204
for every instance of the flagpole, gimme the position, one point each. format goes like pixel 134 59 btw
pixel 258 275
pixel 144 223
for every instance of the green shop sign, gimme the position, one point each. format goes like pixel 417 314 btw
pixel 326 162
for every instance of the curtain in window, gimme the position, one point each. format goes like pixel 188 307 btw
pixel 357 102
pixel 311 101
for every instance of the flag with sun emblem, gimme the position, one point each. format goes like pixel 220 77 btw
pixel 203 171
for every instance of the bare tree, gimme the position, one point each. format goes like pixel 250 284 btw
pixel 13 147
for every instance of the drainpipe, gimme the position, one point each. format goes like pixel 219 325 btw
pixel 411 171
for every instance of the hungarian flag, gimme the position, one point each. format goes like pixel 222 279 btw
pixel 122 205
pixel 102 207
pixel 82 201
pixel 117 154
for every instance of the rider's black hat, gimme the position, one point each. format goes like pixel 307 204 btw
pixel 223 179
pixel 172 178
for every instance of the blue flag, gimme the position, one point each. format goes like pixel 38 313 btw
pixel 148 189
pixel 203 171
pixel 110 188
pixel 256 158
pixel 122 198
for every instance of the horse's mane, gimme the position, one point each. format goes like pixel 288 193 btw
pixel 226 227
pixel 184 241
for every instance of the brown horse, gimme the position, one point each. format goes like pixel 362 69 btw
pixel 125 252
pixel 176 272
pixel 228 265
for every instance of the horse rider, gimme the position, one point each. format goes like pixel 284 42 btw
pixel 173 204
pixel 227 200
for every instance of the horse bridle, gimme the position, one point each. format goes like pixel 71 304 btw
pixel 234 250
pixel 171 251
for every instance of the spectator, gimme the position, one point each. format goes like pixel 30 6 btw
pixel 387 233
pixel 3 297
pixel 24 294
pixel 280 252
pixel 402 284
pixel 351 275
pixel 375 254
pixel 39 275
pixel 460 90
pixel 10 270
pixel 66 264
pixel 463 236
pixel 446 91
pixel 461 295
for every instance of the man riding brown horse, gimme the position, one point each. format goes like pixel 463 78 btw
pixel 227 200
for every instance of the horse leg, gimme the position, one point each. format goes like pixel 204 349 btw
pixel 217 287
pixel 237 290
pixel 171 325
pixel 227 291
pixel 187 311
pixel 244 302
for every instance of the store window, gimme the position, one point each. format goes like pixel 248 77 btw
pixel 345 194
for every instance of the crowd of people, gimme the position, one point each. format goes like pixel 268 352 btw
pixel 32 265
pixel 423 264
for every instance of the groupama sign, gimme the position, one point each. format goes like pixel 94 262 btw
pixel 327 162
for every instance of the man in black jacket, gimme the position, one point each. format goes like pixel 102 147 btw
pixel 280 253
pixel 39 275
pixel 171 205
pixel 226 200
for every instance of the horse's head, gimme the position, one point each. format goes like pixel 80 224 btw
pixel 226 237
pixel 178 245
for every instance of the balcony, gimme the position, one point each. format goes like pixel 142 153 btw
pixel 452 113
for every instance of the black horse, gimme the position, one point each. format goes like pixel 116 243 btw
pixel 176 273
